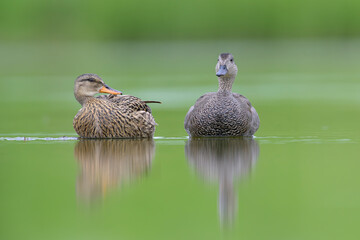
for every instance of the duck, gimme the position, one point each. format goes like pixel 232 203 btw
pixel 222 113
pixel 110 116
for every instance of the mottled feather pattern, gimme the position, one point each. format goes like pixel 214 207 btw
pixel 109 116
pixel 222 113
pixel 130 103
pixel 218 114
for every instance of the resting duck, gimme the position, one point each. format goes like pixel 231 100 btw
pixel 110 116
pixel 222 113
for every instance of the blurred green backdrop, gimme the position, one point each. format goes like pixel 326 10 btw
pixel 186 19
pixel 298 64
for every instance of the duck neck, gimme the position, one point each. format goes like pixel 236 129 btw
pixel 225 84
pixel 82 99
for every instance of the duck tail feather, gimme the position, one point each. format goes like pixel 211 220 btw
pixel 152 102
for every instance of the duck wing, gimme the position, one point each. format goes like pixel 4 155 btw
pixel 134 104
pixel 251 113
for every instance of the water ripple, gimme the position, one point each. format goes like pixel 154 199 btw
pixel 181 140
pixel 24 139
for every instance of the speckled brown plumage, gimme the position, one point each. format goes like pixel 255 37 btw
pixel 222 113
pixel 110 116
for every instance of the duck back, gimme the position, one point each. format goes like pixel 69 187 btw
pixel 114 117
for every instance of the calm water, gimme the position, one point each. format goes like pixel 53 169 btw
pixel 297 179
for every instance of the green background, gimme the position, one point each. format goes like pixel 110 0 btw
pixel 186 19
pixel 298 64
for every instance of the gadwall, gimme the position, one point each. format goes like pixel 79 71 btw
pixel 110 116
pixel 222 113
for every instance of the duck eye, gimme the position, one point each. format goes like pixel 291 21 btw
pixel 231 60
pixel 91 80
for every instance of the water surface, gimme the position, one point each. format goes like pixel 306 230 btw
pixel 297 179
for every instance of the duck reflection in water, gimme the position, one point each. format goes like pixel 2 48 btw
pixel 223 160
pixel 108 163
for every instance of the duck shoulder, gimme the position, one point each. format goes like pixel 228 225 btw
pixel 204 99
pixel 201 101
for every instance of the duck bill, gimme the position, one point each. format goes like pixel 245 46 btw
pixel 222 71
pixel 107 89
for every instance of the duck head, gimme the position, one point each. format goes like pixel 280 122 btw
pixel 226 66
pixel 87 85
